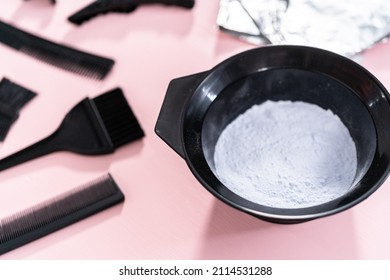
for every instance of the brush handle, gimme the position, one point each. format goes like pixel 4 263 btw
pixel 41 148
pixel 120 6
pixel 82 131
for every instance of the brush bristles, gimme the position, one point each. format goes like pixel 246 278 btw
pixel 5 125
pixel 12 98
pixel 58 212
pixel 14 95
pixel 118 118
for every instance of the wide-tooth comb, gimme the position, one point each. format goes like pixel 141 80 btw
pixel 64 57
pixel 58 212
pixel 93 127
pixel 120 6
pixel 12 98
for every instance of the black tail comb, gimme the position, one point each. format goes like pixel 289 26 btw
pixel 64 57
pixel 58 212
pixel 120 6
pixel 93 127
pixel 12 98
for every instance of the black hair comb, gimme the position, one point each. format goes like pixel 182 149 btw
pixel 121 6
pixel 12 98
pixel 61 211
pixel 93 127
pixel 61 56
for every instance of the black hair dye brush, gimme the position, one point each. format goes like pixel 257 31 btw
pixel 61 56
pixel 93 127
pixel 58 212
pixel 12 98
pixel 120 6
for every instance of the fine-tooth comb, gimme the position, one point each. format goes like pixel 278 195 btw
pixel 56 213
pixel 93 127
pixel 64 57
pixel 120 6
pixel 12 98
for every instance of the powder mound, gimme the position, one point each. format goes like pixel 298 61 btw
pixel 286 154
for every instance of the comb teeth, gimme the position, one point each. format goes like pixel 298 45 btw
pixel 118 118
pixel 83 64
pixel 61 56
pixel 51 215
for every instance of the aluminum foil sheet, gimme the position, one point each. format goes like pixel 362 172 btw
pixel 346 27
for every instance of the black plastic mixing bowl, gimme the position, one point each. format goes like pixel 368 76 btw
pixel 197 108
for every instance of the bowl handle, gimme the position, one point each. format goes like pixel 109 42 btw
pixel 170 119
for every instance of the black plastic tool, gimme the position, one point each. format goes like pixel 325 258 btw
pixel 120 6
pixel 12 98
pixel 61 56
pixel 53 1
pixel 93 127
pixel 56 213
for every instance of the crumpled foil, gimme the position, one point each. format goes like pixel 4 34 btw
pixel 346 27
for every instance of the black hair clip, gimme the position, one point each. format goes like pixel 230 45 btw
pixel 53 1
pixel 120 6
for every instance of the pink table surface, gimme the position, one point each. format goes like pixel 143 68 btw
pixel 167 213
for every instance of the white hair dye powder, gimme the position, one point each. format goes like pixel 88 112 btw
pixel 286 154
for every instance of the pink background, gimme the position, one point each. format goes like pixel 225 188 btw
pixel 167 213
